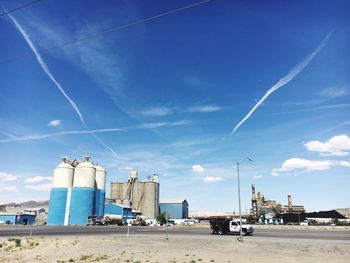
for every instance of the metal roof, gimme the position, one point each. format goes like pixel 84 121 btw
pixel 173 201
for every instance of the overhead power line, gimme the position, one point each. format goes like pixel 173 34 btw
pixel 110 30
pixel 19 7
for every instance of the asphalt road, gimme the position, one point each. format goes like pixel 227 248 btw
pixel 323 235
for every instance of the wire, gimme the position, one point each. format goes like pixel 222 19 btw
pixel 20 7
pixel 110 30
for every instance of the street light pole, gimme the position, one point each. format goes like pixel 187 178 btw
pixel 239 205
pixel 239 200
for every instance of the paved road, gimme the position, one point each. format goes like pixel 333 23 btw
pixel 323 235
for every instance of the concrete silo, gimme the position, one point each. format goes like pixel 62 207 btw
pixel 61 193
pixel 100 192
pixel 83 193
pixel 144 196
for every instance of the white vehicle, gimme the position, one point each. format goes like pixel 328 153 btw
pixel 226 226
pixel 131 222
pixel 305 223
pixel 151 222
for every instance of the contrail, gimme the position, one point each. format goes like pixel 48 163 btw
pixel 8 134
pixel 44 136
pixel 283 81
pixel 151 125
pixel 45 68
pixel 327 107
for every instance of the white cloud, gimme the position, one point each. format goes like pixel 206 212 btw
pixel 55 123
pixel 197 169
pixel 10 189
pixel 337 145
pixel 158 111
pixel 7 177
pixel 334 92
pixel 126 168
pixel 40 187
pixel 308 165
pixel 163 111
pixel 257 177
pixel 212 179
pixel 37 179
pixel 205 108
pixel 195 81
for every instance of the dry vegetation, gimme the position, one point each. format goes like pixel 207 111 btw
pixel 142 249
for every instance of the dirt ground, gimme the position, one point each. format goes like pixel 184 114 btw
pixel 177 249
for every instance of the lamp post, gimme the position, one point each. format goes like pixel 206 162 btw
pixel 239 198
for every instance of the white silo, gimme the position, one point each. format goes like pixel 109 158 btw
pixel 83 193
pixel 60 193
pixel 100 192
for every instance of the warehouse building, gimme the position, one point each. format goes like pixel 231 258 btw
pixel 141 196
pixel 331 216
pixel 17 219
pixel 78 192
pixel 176 209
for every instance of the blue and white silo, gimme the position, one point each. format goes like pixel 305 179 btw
pixel 83 193
pixel 100 191
pixel 60 193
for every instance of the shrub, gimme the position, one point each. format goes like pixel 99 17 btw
pixel 18 242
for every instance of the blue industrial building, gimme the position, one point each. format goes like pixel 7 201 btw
pixel 119 209
pixel 57 206
pixel 175 209
pixel 17 219
pixel 99 202
pixel 81 206
pixel 77 193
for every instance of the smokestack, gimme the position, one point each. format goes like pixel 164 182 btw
pixel 290 206
pixel 253 193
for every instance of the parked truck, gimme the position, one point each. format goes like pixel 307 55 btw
pixel 227 226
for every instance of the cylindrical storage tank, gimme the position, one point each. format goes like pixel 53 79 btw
pixel 62 181
pixel 100 191
pixel 150 200
pixel 83 193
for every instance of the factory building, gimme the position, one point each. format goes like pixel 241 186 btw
pixel 141 196
pixel 78 191
pixel 17 219
pixel 176 209
pixel 293 209
pixel 264 206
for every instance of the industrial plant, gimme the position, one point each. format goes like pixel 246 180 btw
pixel 78 197
pixel 263 209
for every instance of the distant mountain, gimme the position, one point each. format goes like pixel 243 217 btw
pixel 30 204
pixel 344 211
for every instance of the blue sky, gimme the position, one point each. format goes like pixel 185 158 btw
pixel 164 95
